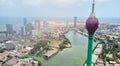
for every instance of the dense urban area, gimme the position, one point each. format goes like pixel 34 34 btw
pixel 46 38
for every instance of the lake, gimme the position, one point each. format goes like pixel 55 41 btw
pixel 74 56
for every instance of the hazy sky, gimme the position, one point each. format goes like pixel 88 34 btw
pixel 58 8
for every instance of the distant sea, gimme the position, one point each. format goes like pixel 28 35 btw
pixel 17 22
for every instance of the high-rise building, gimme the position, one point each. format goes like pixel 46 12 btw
pixel 3 35
pixel 45 24
pixel 29 28
pixel 25 21
pixel 9 28
pixel 37 25
pixel 67 25
pixel 25 25
pixel 22 30
pixel 75 21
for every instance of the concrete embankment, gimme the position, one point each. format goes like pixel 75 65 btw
pixel 50 53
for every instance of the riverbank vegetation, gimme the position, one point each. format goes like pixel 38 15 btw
pixel 48 45
pixel 65 43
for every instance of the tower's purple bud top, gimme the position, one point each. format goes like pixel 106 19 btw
pixel 92 24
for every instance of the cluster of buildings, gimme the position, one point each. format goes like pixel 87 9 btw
pixel 15 44
pixel 112 30
pixel 11 54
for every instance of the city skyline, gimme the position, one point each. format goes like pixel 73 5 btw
pixel 57 32
pixel 59 8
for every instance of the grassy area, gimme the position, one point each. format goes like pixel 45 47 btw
pixel 55 43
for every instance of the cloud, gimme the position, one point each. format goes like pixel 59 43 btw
pixel 59 3
pixel 38 3
pixel 6 3
pixel 33 2
pixel 97 0
pixel 102 0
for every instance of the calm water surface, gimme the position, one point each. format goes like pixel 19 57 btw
pixel 74 56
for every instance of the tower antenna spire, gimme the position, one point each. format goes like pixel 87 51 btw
pixel 93 6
